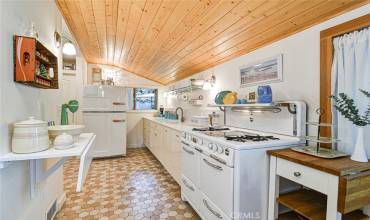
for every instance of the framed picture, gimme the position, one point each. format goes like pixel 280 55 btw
pixel 265 71
pixel 96 74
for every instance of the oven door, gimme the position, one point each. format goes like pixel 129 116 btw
pixel 190 163
pixel 216 182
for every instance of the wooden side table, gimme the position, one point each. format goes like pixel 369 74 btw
pixel 334 188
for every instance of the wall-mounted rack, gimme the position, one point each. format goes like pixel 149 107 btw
pixel 185 89
pixel 252 107
pixel 294 109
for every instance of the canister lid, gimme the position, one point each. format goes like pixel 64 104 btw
pixel 30 122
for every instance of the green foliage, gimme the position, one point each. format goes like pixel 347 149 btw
pixel 346 106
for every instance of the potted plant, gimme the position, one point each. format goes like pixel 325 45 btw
pixel 347 108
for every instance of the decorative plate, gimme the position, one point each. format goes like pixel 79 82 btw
pixel 230 98
pixel 219 99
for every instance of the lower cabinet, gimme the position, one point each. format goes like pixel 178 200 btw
pixel 164 143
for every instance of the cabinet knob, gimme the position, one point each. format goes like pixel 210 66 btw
pixel 297 174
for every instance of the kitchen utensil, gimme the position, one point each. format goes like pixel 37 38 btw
pixel 219 99
pixel 264 94
pixel 30 136
pixel 230 98
pixel 63 141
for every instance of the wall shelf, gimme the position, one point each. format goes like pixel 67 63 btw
pixel 51 152
pixel 252 107
pixel 36 161
pixel 34 64
pixel 244 105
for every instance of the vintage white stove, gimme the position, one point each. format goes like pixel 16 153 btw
pixel 225 170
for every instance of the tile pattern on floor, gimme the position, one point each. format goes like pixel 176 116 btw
pixel 133 187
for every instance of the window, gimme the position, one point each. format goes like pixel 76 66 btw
pixel 145 98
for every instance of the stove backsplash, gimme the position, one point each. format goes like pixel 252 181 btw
pixel 281 123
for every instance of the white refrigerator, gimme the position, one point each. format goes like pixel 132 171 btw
pixel 104 113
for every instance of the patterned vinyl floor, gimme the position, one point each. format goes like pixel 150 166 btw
pixel 132 187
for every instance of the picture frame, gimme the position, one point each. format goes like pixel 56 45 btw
pixel 96 75
pixel 268 70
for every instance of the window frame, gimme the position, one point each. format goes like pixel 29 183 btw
pixel 326 61
pixel 134 99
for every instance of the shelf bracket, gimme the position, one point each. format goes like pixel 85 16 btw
pixel 37 174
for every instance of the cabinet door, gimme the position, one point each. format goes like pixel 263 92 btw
pixel 159 133
pixel 175 155
pixel 165 148
pixel 99 124
pixel 145 132
pixel 118 130
pixel 152 138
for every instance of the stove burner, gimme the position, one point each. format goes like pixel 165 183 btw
pixel 211 129
pixel 249 137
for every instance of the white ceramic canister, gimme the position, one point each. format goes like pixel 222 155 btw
pixel 30 136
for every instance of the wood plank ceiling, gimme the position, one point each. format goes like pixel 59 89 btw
pixel 167 40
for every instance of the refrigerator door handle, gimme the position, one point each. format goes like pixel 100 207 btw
pixel 119 103
pixel 118 120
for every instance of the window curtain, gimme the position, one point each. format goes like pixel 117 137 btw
pixel 351 72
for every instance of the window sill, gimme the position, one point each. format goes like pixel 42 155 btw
pixel 142 111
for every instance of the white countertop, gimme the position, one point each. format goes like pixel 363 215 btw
pixel 174 124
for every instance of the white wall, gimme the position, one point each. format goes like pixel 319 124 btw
pixel 19 101
pixel 301 67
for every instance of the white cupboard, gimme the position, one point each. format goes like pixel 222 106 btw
pixel 110 133
pixel 164 143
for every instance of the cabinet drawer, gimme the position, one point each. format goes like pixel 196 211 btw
pixel 303 175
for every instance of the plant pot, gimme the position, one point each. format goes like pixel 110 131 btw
pixel 359 153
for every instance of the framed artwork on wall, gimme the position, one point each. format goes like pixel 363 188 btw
pixel 96 75
pixel 265 71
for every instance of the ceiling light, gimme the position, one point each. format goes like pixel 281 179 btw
pixel 69 49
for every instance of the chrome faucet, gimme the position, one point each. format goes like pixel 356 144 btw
pixel 182 119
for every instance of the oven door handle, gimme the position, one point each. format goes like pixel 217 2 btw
pixel 187 184
pixel 188 151
pixel 218 215
pixel 212 165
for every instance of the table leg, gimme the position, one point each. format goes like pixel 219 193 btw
pixel 332 203
pixel 273 211
pixel 366 210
